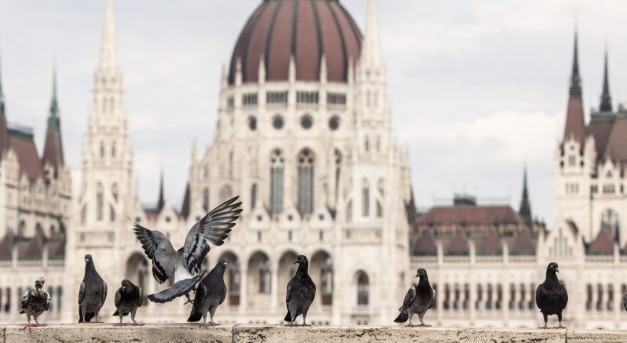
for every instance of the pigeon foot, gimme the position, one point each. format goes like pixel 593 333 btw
pixel 424 325
pixel 410 325
pixel 137 324
pixel 29 326
pixel 543 327
pixel 119 324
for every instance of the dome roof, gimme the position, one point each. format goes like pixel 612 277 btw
pixel 306 29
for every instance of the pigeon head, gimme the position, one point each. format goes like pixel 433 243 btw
pixel 552 268
pixel 39 283
pixel 224 261
pixel 301 259
pixel 421 272
pixel 125 283
pixel 88 259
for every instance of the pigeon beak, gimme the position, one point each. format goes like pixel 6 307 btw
pixel 417 275
pixel 295 261
pixel 557 270
pixel 86 260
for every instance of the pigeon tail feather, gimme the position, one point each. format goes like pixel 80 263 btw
pixel 402 317
pixel 194 317
pixel 288 317
pixel 179 288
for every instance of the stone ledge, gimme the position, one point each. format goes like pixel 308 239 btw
pixel 191 333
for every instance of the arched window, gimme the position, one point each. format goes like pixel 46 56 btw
pixel 609 220
pixel 114 191
pixel 230 164
pixel 102 149
pixel 366 144
pixel 59 298
pixel 21 229
pixel 338 170
pixel 7 303
pixel 379 209
pixel 111 213
pixel 253 196
pixel 51 294
pixel 204 201
pixel 363 289
pixel 99 203
pixel 326 280
pixel 305 181
pixel 277 165
pixel 113 149
pixel 365 198
pixel 225 193
pixel 264 278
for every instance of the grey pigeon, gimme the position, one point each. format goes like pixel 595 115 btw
pixel 301 292
pixel 92 294
pixel 418 300
pixel 551 295
pixel 211 293
pixel 183 264
pixel 127 299
pixel 35 302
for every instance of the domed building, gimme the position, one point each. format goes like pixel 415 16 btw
pixel 304 136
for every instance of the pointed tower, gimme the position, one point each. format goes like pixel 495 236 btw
pixel 53 148
pixel 107 196
pixel 525 205
pixel 575 125
pixel 4 135
pixel 161 201
pixel 606 98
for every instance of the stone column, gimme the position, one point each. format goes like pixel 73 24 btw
pixel 274 286
pixel 243 288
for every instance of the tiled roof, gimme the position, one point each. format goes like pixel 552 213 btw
pixel 616 149
pixel 490 245
pixel 53 148
pixel 575 126
pixel 425 244
pixel 306 30
pixel 469 215
pixel 6 244
pixel 603 244
pixel 458 245
pixel 523 244
pixel 26 151
pixel 56 249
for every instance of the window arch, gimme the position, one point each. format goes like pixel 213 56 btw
pixel 21 229
pixel 365 198
pixel 277 166
pixel 253 196
pixel 99 202
pixel 609 220
pixel 363 289
pixel 305 181
pixel 379 209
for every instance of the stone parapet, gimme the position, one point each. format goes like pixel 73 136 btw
pixel 239 333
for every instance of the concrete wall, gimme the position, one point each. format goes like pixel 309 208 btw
pixel 188 333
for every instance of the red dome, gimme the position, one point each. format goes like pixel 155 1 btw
pixel 306 29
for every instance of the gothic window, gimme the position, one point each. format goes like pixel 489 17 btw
pixel 7 303
pixel 365 198
pixel 610 297
pixel 572 160
pixel 599 297
pixel 225 193
pixel 366 144
pixel 59 298
pixel 204 201
pixel 512 296
pixel 21 229
pixel 305 181
pixel 231 164
pixel 456 296
pixel 306 122
pixel 588 297
pixel 379 209
pixel 114 191
pixel 523 293
pixel 499 296
pixel 326 280
pixel 479 303
pixel 102 149
pixel 99 203
pixel 111 213
pixel 277 166
pixel 264 278
pixel 252 123
pixel 447 296
pixel 253 196
pixel 277 122
pixel 466 303
pixel 113 149
pixel 363 289
pixel 609 220
pixel 489 302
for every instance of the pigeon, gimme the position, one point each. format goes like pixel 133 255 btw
pixel 418 300
pixel 35 302
pixel 183 264
pixel 551 295
pixel 92 293
pixel 211 293
pixel 127 299
pixel 301 292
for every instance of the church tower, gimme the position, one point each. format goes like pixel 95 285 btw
pixel 106 196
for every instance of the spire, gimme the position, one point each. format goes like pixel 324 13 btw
pixel 4 135
pixel 525 205
pixel 371 53
pixel 606 98
pixel 575 125
pixel 1 93
pixel 161 201
pixel 53 119
pixel 53 147
pixel 107 49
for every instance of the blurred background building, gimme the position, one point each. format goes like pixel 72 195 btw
pixel 304 137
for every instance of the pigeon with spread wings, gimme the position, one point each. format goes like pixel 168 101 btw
pixel 184 265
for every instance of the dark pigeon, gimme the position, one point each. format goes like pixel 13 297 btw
pixel 418 300
pixel 35 302
pixel 211 293
pixel 184 264
pixel 92 294
pixel 301 292
pixel 551 295
pixel 127 299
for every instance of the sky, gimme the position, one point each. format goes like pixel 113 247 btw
pixel 478 89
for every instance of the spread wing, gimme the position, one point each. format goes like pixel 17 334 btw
pixel 81 293
pixel 409 298
pixel 215 226
pixel 179 288
pixel 159 249
pixel 118 297
pixel 25 299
